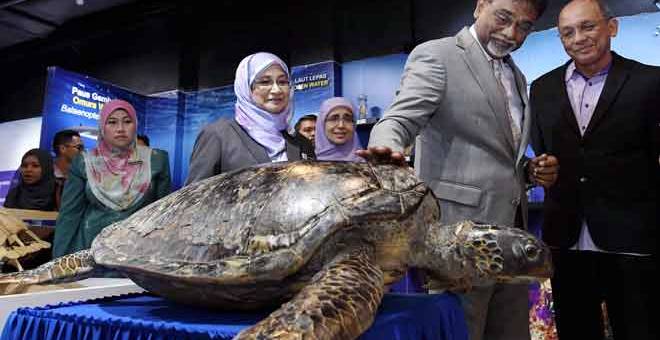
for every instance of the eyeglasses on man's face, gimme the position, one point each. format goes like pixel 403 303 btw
pixel 505 18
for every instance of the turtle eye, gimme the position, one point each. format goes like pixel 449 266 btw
pixel 532 251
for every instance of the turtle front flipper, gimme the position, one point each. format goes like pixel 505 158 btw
pixel 340 302
pixel 67 268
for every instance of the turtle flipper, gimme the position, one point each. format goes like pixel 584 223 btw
pixel 339 303
pixel 67 268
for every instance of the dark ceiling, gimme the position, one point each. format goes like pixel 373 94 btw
pixel 151 46
pixel 24 21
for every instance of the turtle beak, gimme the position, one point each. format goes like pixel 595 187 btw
pixel 545 270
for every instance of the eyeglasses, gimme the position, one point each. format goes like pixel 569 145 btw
pixel 80 147
pixel 505 19
pixel 267 84
pixel 335 120
pixel 587 27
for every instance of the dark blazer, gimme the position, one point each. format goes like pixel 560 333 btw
pixel 609 176
pixel 224 146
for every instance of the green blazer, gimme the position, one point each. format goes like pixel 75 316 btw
pixel 82 216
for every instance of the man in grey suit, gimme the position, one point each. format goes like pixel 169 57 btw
pixel 464 102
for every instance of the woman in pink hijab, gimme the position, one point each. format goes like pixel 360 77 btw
pixel 110 182
pixel 336 138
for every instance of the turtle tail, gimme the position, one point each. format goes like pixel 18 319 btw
pixel 67 268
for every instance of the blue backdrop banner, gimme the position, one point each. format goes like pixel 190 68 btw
pixel 314 83
pixel 73 101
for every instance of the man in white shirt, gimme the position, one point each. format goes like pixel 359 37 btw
pixel 598 114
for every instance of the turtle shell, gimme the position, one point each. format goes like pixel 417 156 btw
pixel 255 224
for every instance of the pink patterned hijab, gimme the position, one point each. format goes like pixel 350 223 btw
pixel 325 149
pixel 264 127
pixel 118 177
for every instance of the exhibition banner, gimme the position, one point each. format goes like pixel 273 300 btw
pixel 73 101
pixel 201 108
pixel 162 123
pixel 313 84
pixel 371 84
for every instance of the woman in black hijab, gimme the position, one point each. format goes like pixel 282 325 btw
pixel 33 186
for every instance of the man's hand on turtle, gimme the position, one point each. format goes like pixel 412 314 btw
pixel 382 155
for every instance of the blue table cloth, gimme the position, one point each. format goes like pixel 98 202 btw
pixel 412 282
pixel 144 316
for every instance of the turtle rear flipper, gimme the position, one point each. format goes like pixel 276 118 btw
pixel 67 268
pixel 340 302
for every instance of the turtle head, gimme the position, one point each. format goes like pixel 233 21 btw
pixel 480 254
pixel 506 254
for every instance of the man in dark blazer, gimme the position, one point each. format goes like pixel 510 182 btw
pixel 598 114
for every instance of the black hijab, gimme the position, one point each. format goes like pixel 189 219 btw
pixel 37 196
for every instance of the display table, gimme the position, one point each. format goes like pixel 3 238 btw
pixel 144 316
pixel 41 295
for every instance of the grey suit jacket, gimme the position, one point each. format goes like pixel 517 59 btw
pixel 450 101
pixel 224 146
